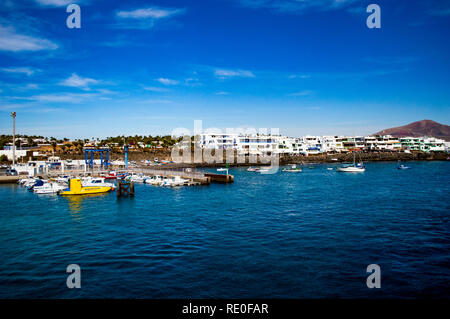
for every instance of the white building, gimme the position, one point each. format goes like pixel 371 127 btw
pixel 382 143
pixel 313 145
pixel 332 144
pixel 289 145
pixel 432 144
pixel 219 141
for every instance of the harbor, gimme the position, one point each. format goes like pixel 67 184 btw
pixel 224 159
pixel 317 224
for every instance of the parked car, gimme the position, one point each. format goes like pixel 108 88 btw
pixel 11 172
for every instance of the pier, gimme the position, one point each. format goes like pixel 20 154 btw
pixel 9 179
pixel 195 178
pixel 220 178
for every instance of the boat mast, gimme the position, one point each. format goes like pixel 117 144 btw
pixel 354 150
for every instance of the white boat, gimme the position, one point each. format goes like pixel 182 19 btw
pixel 137 178
pixel 154 180
pixel 63 179
pixel 96 182
pixel 49 188
pixel 253 169
pixel 174 181
pixel 352 168
pixel 26 181
pixel 293 169
pixel 222 169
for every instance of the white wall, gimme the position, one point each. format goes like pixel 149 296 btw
pixel 9 154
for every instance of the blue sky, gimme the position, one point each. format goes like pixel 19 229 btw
pixel 148 67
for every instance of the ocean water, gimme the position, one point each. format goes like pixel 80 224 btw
pixel 287 235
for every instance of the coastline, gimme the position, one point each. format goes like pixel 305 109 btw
pixel 283 160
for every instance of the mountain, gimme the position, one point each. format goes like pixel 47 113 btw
pixel 419 128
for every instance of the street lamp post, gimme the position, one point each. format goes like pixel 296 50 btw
pixel 13 114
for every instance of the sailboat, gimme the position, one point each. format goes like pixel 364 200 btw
pixel 354 168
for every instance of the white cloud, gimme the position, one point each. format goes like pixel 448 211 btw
pixel 157 101
pixel 166 81
pixel 31 86
pixel 54 3
pixel 152 13
pixel 222 74
pixel 155 89
pixel 145 18
pixel 59 97
pixel 302 93
pixel 297 6
pixel 23 70
pixel 10 40
pixel 76 81
pixel 299 76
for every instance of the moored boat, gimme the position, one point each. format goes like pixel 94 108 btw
pixel 96 182
pixel 293 169
pixel 352 168
pixel 49 188
pixel 76 188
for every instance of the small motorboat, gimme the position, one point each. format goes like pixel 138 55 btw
pixel 403 167
pixel 97 181
pixel 293 169
pixel 27 181
pixel 49 188
pixel 136 178
pixel 154 180
pixel 37 183
pixel 330 168
pixel 76 188
pixel 253 169
pixel 222 169
pixel 174 181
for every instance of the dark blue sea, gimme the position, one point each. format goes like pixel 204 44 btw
pixel 287 235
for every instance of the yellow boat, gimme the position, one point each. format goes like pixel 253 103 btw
pixel 75 188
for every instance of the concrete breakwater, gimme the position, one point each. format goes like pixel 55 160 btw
pixel 9 179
